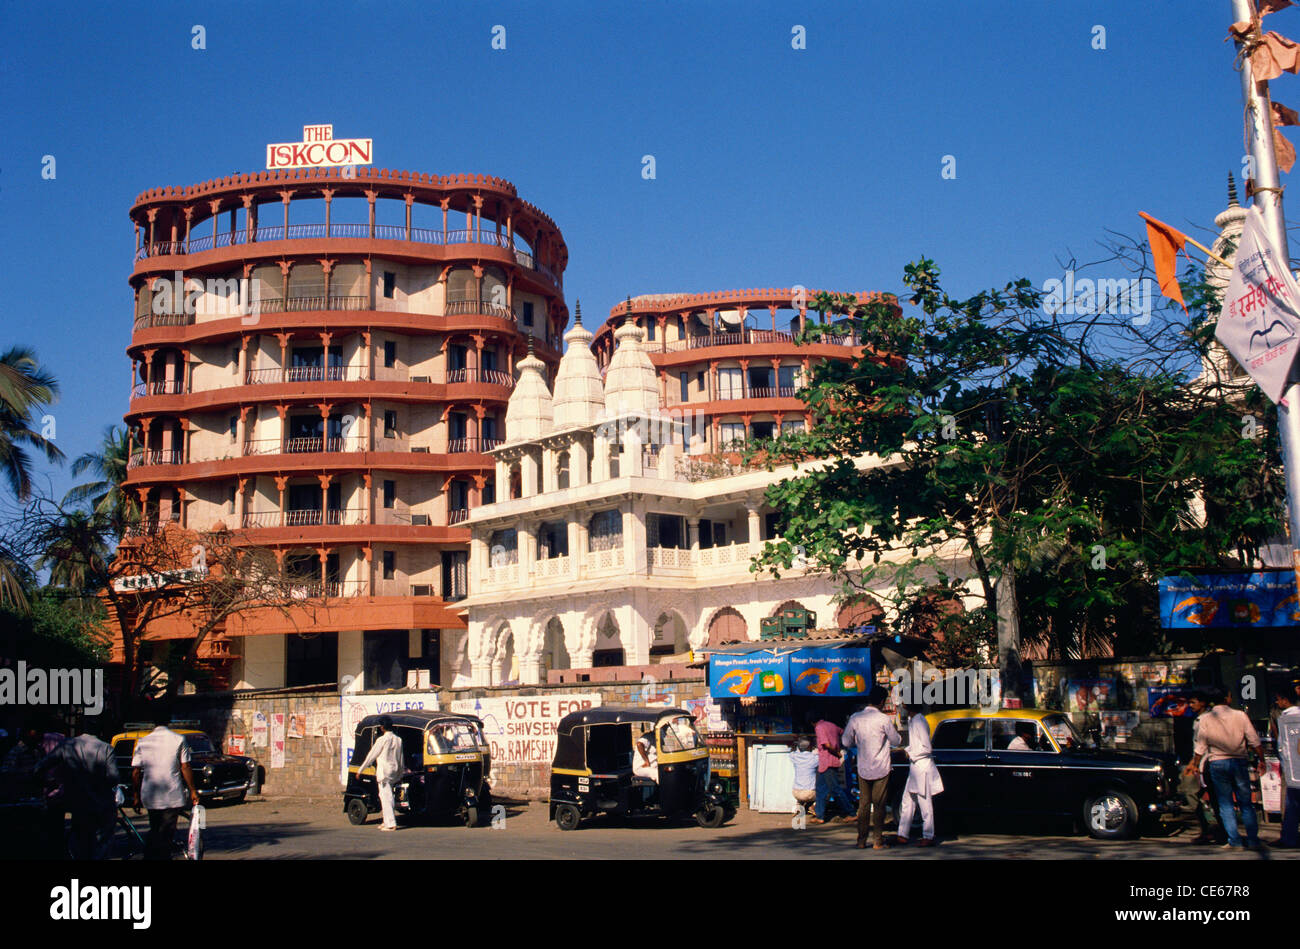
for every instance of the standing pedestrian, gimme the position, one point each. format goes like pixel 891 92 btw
pixel 830 771
pixel 805 761
pixel 1289 713
pixel 1225 739
pixel 87 772
pixel 923 781
pixel 874 735
pixel 160 774
pixel 1200 791
pixel 386 756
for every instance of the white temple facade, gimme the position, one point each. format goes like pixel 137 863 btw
pixel 607 544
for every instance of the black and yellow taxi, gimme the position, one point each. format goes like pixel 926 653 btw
pixel 446 758
pixel 218 777
pixel 592 771
pixel 1032 762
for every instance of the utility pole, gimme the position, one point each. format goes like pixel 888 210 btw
pixel 1268 199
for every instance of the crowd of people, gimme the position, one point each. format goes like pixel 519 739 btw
pixel 821 777
pixel 74 784
pixel 1225 747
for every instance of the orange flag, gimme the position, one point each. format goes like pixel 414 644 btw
pixel 1166 242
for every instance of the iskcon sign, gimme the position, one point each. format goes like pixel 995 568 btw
pixel 320 149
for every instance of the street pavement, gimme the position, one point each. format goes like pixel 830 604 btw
pixel 294 828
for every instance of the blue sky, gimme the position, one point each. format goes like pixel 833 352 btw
pixel 774 166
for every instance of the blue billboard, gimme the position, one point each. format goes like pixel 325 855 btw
pixel 1262 599
pixel 760 674
pixel 830 672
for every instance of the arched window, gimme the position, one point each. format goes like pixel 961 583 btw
pixel 562 470
pixel 862 610
pixel 727 626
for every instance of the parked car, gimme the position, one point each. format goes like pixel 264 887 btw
pixel 217 776
pixel 1113 794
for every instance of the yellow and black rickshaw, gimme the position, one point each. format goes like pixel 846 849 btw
pixel 446 775
pixel 593 770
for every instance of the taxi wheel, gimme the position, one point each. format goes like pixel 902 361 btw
pixel 567 817
pixel 1110 815
pixel 711 816
pixel 357 811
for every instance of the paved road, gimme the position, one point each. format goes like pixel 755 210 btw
pixel 289 829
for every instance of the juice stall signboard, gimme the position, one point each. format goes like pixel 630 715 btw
pixel 759 674
pixel 830 672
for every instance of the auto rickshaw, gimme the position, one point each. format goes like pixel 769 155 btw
pixel 447 765
pixel 592 772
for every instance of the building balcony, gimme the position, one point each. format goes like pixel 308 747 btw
pixel 384 232
pixel 664 561
pixel 742 338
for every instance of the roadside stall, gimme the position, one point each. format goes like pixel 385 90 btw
pixel 773 690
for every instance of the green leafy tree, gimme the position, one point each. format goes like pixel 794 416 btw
pixel 1068 477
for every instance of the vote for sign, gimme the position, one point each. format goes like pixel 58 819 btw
pixel 1259 321
pixel 521 729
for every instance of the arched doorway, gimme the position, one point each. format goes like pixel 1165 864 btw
pixel 505 664
pixel 609 643
pixel 669 636
pixel 727 626
pixel 555 655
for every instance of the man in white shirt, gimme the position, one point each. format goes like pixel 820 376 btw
pixel 160 773
pixel 645 759
pixel 1288 720
pixel 923 781
pixel 1024 734
pixel 386 755
pixel 871 731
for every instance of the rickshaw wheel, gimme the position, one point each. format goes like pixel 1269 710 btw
pixel 567 817
pixel 712 816
pixel 358 813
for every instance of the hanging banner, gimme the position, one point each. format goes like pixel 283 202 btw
pixel 830 672
pixel 1259 320
pixel 521 729
pixel 1264 598
pixel 758 674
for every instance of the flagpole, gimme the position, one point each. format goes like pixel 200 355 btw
pixel 1268 199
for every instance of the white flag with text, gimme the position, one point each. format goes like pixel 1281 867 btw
pixel 1259 323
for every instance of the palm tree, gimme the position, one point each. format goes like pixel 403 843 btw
pixel 108 465
pixel 75 548
pixel 24 388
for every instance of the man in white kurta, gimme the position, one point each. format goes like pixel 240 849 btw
pixel 923 781
pixel 386 756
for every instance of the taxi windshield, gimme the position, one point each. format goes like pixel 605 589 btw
pixel 679 734
pixel 199 744
pixel 448 737
pixel 1062 729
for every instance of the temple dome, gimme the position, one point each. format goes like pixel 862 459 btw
pixel 530 413
pixel 579 393
pixel 630 381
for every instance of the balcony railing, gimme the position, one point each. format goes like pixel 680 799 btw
pixel 492 376
pixel 460 445
pixel 457 514
pixel 171 456
pixel 419 235
pixel 747 336
pixel 476 307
